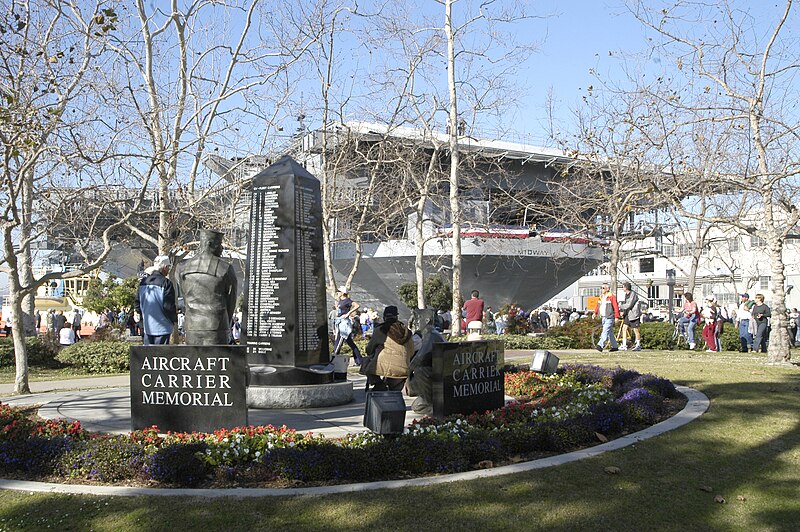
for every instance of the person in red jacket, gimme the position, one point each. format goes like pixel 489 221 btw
pixel 608 311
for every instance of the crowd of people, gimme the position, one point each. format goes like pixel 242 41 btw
pixel 752 319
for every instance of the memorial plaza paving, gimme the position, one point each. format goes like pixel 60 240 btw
pixel 103 404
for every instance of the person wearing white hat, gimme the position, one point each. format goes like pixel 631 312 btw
pixel 343 325
pixel 155 303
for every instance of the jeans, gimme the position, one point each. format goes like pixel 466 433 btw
pixel 744 335
pixel 797 337
pixel 341 340
pixel 155 339
pixel 760 339
pixel 687 325
pixel 608 334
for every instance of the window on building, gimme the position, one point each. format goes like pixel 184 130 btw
pixel 647 265
pixel 652 292
pixel 757 242
pixel 733 244
pixel 592 292
pixel 668 250
pixel 763 282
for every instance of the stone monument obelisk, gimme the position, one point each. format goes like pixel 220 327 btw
pixel 285 326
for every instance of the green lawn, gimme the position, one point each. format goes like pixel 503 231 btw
pixel 746 448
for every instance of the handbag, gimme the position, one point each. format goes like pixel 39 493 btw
pixel 369 365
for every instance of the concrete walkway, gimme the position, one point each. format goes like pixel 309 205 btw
pixel 39 387
pixel 104 405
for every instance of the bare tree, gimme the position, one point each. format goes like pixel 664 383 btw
pixel 610 181
pixel 192 77
pixel 53 136
pixel 738 69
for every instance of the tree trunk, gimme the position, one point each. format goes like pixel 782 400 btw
pixel 25 261
pixel 778 351
pixel 419 245
pixel 21 385
pixel 455 208
pixel 613 262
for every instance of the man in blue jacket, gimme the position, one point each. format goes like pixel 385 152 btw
pixel 155 303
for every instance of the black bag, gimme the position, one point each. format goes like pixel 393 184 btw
pixel 369 365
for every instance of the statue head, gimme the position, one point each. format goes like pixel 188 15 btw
pixel 210 241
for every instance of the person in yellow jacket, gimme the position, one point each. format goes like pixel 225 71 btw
pixel 390 350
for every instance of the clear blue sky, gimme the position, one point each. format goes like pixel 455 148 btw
pixel 579 36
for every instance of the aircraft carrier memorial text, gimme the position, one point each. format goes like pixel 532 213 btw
pixel 468 377
pixel 184 388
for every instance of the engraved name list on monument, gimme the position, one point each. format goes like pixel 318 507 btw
pixel 266 319
pixel 307 280
pixel 285 317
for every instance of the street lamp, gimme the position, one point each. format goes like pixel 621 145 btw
pixel 671 285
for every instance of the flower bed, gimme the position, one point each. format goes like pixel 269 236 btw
pixel 578 407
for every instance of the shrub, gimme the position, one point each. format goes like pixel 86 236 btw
pixel 179 464
pixel 730 338
pixel 620 377
pixel 606 418
pixel 108 459
pixel 657 385
pixel 40 352
pixel 438 294
pixel 559 413
pixel 586 373
pixel 37 455
pixel 657 335
pixel 641 406
pixel 14 424
pixel 98 356
pixel 579 331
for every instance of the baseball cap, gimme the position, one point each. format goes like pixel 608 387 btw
pixel 745 295
pixel 390 312
pixel 343 289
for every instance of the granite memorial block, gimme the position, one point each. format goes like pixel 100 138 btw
pixel 468 377
pixel 285 318
pixel 188 388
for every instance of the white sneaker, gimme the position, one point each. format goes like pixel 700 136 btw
pixel 623 347
pixel 637 348
pixel 692 345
